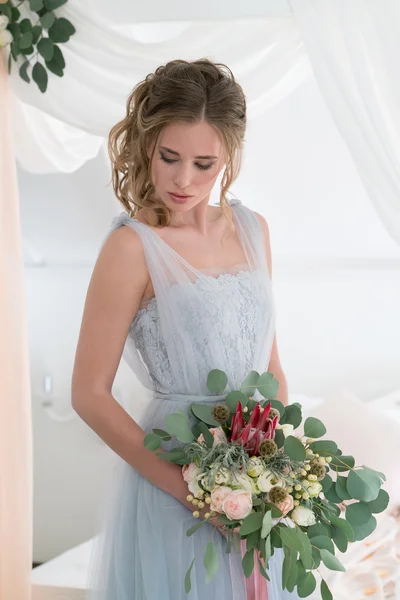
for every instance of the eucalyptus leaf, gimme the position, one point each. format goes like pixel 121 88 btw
pixel 152 441
pixel 326 483
pixel 204 413
pixel 266 524
pixel 233 398
pixel 363 485
pixel 363 531
pixel 330 561
pixel 306 585
pixel 324 447
pixel 279 438
pixel 268 549
pixel 340 539
pixel 188 585
pixel 318 529
pixel 372 471
pixel 342 463
pixel 268 385
pixel 341 489
pixel 210 561
pixel 380 503
pixel 61 30
pixel 323 542
pixel 292 415
pixel 178 424
pixel 208 436
pixel 252 522
pixel 325 591
pixel 162 433
pixel 195 527
pixel 344 526
pixel 249 385
pixel 294 448
pixel 314 428
pixel 358 514
pixel 248 563
pixel 40 77
pixel 217 381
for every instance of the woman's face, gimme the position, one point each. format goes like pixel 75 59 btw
pixel 187 160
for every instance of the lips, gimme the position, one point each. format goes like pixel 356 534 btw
pixel 180 195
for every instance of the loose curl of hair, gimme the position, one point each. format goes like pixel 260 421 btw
pixel 179 91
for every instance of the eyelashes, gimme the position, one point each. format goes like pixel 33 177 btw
pixel 201 167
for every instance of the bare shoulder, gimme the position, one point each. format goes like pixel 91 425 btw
pixel 265 229
pixel 264 223
pixel 117 284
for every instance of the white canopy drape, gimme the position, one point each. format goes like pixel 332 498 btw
pixel 353 48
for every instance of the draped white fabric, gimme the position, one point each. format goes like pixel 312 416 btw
pixel 61 129
pixel 355 53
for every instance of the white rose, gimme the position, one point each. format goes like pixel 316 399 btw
pixel 223 476
pixel 267 480
pixel 191 474
pixel 303 516
pixel 255 466
pixel 312 487
pixel 287 429
pixel 5 38
pixel 4 21
pixel 244 482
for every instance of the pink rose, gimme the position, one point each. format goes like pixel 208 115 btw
pixel 189 472
pixel 218 495
pixel 218 434
pixel 286 505
pixel 237 505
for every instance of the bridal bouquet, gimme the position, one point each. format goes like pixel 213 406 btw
pixel 270 485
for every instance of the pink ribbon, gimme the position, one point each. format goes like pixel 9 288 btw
pixel 256 584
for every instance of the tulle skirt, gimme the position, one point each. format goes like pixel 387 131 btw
pixel 142 551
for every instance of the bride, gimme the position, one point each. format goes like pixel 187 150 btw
pixel 180 287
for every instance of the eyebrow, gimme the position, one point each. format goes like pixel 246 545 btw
pixel 177 153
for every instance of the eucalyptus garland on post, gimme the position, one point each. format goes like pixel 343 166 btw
pixel 33 40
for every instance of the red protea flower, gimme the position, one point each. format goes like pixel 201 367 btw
pixel 258 428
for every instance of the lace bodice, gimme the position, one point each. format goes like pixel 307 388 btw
pixel 233 311
pixel 199 321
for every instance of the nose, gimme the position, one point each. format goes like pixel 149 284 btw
pixel 182 176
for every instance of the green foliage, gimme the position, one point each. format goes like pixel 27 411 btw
pixel 268 385
pixel 266 524
pixel 248 563
pixel 324 447
pixel 36 38
pixel 152 441
pixel 325 591
pixel 306 584
pixel 380 503
pixel 330 561
pixel 249 385
pixel 294 448
pixel 177 424
pixel 188 585
pixel 363 484
pixel 314 428
pixel 292 415
pixel 233 398
pixel 204 413
pixel 211 561
pixel 217 381
pixel 251 523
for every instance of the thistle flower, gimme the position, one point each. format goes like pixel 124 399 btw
pixel 220 413
pixel 318 470
pixel 274 413
pixel 277 494
pixel 268 448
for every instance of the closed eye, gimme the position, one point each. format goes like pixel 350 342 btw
pixel 199 166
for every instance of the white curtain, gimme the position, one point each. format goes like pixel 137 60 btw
pixel 65 127
pixel 354 49
pixel 15 400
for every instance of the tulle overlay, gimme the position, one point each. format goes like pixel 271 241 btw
pixel 196 322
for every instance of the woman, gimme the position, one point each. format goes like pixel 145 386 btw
pixel 180 287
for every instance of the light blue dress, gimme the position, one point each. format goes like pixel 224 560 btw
pixel 198 320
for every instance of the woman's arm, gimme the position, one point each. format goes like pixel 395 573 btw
pixel 274 366
pixel 114 293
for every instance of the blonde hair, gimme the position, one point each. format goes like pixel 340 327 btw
pixel 179 91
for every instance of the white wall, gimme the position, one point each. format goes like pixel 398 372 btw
pixel 336 326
